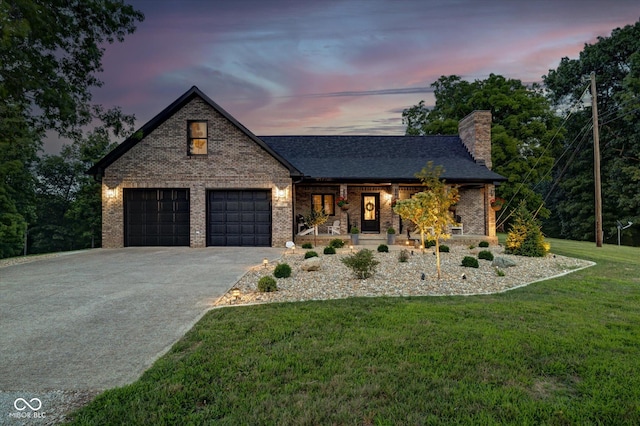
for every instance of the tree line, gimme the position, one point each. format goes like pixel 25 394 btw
pixel 50 53
pixel 542 136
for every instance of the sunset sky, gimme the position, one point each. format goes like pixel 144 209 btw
pixel 285 67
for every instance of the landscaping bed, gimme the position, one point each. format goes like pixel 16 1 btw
pixel 394 278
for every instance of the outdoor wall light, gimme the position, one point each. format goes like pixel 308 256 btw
pixel 112 192
pixel 281 193
pixel 265 262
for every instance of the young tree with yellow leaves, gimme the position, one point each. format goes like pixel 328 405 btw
pixel 429 209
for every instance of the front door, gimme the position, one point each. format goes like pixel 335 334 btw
pixel 370 212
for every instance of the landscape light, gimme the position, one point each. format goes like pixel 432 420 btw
pixel 235 292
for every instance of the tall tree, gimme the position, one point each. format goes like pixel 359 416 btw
pixel 18 152
pixel 615 60
pixel 50 53
pixel 524 130
pixel 69 202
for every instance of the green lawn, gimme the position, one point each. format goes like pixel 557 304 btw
pixel 564 351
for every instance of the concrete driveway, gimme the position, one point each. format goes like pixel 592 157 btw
pixel 97 319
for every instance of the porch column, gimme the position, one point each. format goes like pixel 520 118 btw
pixel 490 214
pixel 395 196
pixel 344 216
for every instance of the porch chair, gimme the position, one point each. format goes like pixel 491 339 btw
pixel 459 226
pixel 335 228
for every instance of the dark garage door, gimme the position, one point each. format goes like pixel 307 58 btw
pixel 239 218
pixel 156 217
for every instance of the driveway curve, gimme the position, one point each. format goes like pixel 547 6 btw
pixel 97 319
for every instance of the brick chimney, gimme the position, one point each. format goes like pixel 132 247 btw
pixel 475 132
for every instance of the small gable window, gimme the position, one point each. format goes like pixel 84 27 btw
pixel 323 202
pixel 197 137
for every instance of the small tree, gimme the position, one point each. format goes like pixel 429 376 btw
pixel 525 236
pixel 429 210
pixel 314 218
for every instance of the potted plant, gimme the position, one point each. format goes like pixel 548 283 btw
pixel 343 203
pixel 391 236
pixel 355 235
pixel 497 203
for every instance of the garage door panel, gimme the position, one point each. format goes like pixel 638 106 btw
pixel 157 217
pixel 239 218
pixel 248 217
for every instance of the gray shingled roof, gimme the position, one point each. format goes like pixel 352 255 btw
pixel 379 158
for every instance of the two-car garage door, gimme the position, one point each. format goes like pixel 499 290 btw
pixel 160 217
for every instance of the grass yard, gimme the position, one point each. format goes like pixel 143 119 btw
pixel 561 352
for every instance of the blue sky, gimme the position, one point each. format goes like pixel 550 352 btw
pixel 339 66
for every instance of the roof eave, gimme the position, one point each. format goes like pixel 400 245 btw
pixel 165 114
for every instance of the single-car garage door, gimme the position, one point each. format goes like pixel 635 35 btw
pixel 156 217
pixel 239 218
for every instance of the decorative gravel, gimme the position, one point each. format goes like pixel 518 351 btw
pixel 394 278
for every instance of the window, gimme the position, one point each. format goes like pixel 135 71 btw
pixel 323 202
pixel 197 137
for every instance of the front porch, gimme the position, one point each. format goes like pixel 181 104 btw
pixel 372 241
pixel 369 207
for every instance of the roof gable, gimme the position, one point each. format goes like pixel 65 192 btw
pixel 175 106
pixel 379 158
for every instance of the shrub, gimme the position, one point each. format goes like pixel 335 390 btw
pixel 470 262
pixel 471 247
pixel 484 244
pixel 336 243
pixel 383 248
pixel 310 254
pixel 499 272
pixel 361 263
pixel 403 256
pixel 525 236
pixel 486 255
pixel 329 250
pixel 429 243
pixel 267 284
pixel 444 249
pixel 282 270
pixel 307 246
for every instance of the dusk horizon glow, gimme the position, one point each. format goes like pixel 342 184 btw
pixel 338 66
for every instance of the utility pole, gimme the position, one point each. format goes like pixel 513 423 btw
pixel 596 160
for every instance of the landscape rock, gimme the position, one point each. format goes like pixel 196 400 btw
pixel 311 264
pixel 394 278
pixel 502 262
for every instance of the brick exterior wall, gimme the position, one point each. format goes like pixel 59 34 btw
pixel 235 161
pixel 160 160
pixel 475 132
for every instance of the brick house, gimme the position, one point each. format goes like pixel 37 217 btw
pixel 194 176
